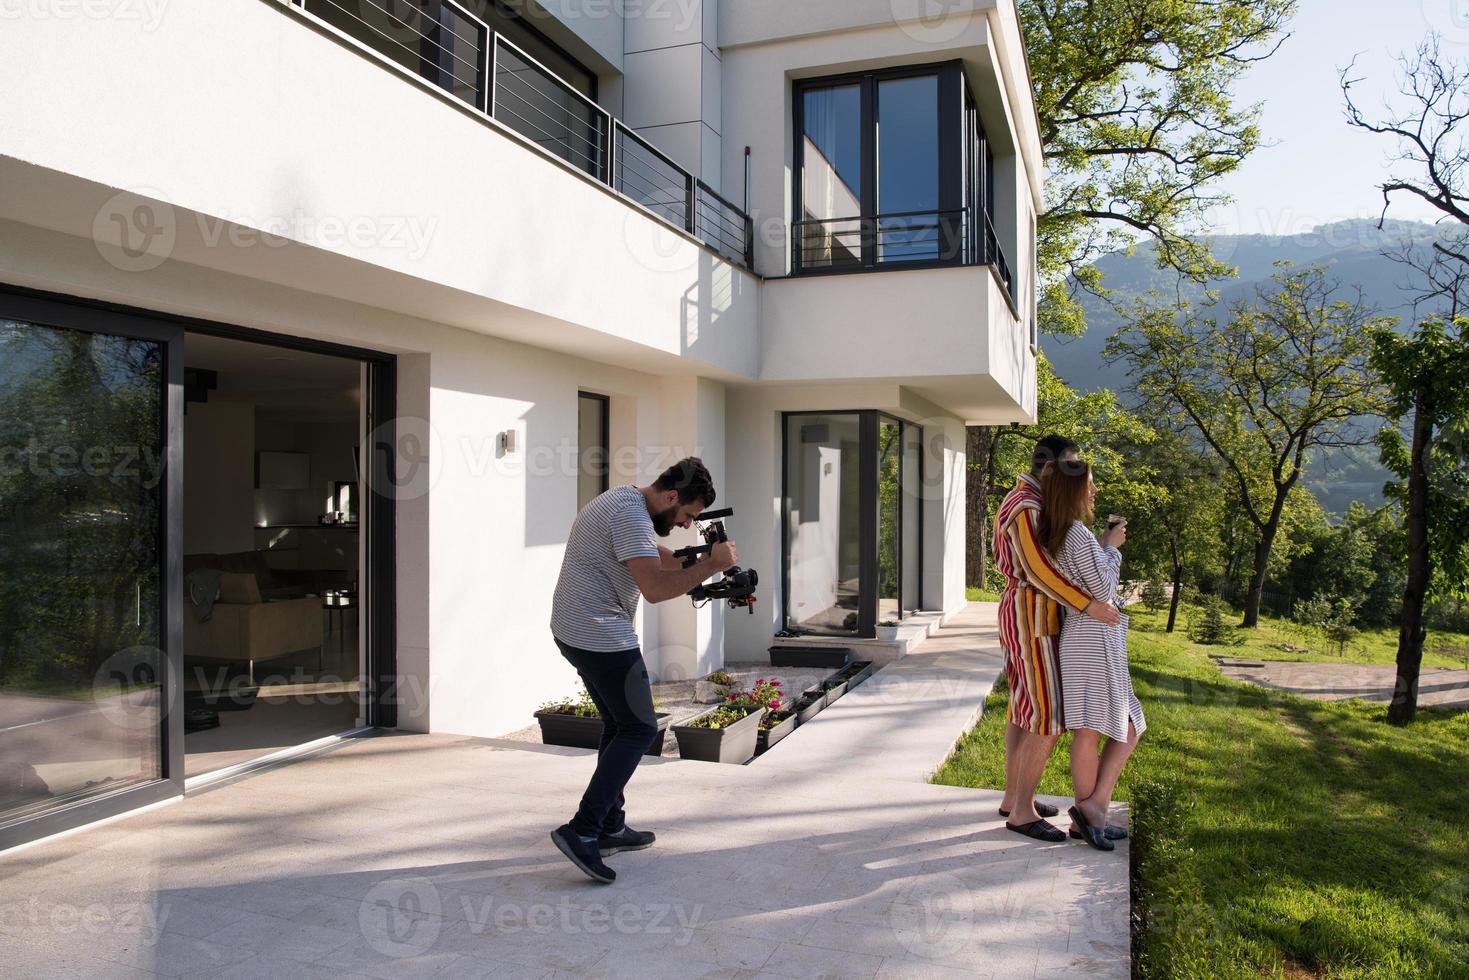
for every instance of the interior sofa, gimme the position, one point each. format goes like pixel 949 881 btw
pixel 246 626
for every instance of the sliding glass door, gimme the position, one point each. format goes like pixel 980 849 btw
pixel 852 518
pixel 85 414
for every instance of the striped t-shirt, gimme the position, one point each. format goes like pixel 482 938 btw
pixel 596 596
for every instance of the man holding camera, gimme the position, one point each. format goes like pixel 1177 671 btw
pixel 612 558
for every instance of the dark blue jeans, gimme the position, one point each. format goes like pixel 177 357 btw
pixel 618 684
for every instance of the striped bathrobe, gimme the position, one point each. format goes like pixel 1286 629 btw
pixel 1097 687
pixel 1030 611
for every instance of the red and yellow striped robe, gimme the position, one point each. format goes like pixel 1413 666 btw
pixel 1030 612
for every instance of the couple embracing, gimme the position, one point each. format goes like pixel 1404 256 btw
pixel 1065 643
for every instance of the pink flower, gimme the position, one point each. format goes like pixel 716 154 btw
pixel 775 705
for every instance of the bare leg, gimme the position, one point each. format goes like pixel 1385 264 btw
pixel 1114 757
pixel 1031 754
pixel 1013 732
pixel 1084 766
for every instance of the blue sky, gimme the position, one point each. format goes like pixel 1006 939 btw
pixel 1316 168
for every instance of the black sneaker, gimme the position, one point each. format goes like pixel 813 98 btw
pixel 583 854
pixel 625 840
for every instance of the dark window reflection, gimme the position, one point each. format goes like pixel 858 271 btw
pixel 81 501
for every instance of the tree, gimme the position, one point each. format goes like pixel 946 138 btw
pixel 1138 124
pixel 1094 419
pixel 1261 387
pixel 1429 372
pixel 1174 526
pixel 1429 377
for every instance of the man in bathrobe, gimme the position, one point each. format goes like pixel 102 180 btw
pixel 1030 627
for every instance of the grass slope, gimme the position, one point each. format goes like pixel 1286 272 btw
pixel 1275 836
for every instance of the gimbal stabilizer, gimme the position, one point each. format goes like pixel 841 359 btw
pixel 738 584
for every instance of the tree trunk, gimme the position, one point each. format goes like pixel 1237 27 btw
pixel 1177 596
pixel 1411 631
pixel 980 442
pixel 1257 578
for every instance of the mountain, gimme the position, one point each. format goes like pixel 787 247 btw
pixel 1352 252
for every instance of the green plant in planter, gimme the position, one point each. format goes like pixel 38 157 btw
pixel 889 622
pixel 765 694
pixel 774 718
pixel 580 706
pixel 720 677
pixel 720 717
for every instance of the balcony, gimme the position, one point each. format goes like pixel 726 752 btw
pixel 913 239
pixel 448 46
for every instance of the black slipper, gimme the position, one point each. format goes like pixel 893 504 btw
pixel 1044 809
pixel 1038 830
pixel 1092 835
pixel 1113 832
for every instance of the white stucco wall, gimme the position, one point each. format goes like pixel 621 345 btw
pixel 255 120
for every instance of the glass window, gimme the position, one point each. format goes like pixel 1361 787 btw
pixel 908 169
pixel 890 520
pixel 831 176
pixel 81 531
pixel 882 178
pixel 823 470
pixel 593 455
pixel 852 521
pixel 428 37
pixel 911 586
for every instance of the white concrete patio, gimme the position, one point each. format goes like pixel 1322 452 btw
pixel 427 856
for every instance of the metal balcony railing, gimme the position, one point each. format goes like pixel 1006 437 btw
pixel 448 46
pixel 963 236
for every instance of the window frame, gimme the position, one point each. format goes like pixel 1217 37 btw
pixel 605 435
pixel 953 97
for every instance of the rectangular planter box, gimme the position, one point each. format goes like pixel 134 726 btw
pixel 809 706
pixel 834 657
pixel 769 736
pixel 834 690
pixel 857 673
pixel 734 745
pixel 577 732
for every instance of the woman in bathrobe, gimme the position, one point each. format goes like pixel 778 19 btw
pixel 1096 688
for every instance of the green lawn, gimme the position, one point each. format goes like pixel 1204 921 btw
pixel 1275 836
pixel 1269 641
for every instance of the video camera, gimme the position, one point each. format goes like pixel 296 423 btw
pixel 738 585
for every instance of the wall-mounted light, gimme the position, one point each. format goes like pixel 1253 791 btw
pixel 507 442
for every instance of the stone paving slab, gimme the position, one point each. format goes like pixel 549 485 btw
pixel 1441 687
pixel 406 856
